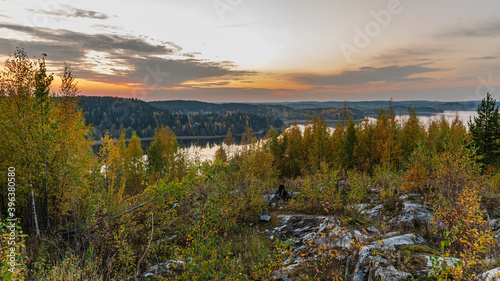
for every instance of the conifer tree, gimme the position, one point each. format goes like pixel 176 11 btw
pixel 229 140
pixel 485 131
pixel 412 132
pixel 348 144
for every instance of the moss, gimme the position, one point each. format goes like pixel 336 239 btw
pixel 413 260
pixel 494 264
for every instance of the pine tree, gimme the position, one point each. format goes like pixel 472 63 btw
pixel 336 142
pixel 364 134
pixel 248 136
pixel 485 131
pixel 412 132
pixel 229 140
pixel 348 144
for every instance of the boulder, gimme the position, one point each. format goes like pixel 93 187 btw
pixel 491 275
pixel 495 227
pixel 372 229
pixel 412 214
pixel 265 217
pixel 390 273
pixel 374 212
pixel 301 229
pixel 165 269
pixel 368 260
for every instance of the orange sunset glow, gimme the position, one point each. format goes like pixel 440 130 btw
pixel 261 50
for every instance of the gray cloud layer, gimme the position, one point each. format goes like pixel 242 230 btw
pixel 394 73
pixel 484 58
pixel 133 60
pixel 74 13
pixel 481 29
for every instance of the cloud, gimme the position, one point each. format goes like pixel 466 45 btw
pixel 109 27
pixel 415 54
pixel 483 58
pixel 73 13
pixel 98 42
pixel 117 59
pixel 486 28
pixel 394 73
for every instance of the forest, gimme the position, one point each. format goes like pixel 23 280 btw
pixel 387 199
pixel 112 115
pixel 282 112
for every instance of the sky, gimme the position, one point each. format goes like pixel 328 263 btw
pixel 264 50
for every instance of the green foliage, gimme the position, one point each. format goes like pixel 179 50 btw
pixel 135 166
pixel 464 234
pixel 44 140
pixel 387 181
pixel 317 144
pixel 71 269
pixel 411 134
pixel 164 158
pixel 348 144
pixel 13 248
pixel 485 131
pixel 453 169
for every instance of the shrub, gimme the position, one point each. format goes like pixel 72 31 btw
pixel 453 169
pixel 463 232
pixel 9 257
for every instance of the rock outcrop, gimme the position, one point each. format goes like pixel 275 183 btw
pixel 369 261
pixel 412 215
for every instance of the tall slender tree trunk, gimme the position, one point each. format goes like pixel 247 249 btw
pixel 33 198
pixel 31 181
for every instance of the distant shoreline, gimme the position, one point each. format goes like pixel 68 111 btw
pixel 98 142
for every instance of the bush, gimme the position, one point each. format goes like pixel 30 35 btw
pixel 454 169
pixel 463 232
pixel 387 181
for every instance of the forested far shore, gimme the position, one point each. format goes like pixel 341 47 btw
pixel 111 115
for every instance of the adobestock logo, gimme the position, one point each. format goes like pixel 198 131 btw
pixel 224 6
pixel 363 37
pixel 485 85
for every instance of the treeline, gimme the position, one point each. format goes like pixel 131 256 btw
pixel 277 111
pixel 386 142
pixel 111 115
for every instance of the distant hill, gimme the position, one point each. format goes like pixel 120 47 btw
pixel 286 113
pixel 371 108
pixel 109 114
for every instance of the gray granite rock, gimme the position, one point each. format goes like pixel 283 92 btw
pixel 492 275
pixel 368 260
pixel 413 213
pixel 390 273
pixel 164 269
pixel 374 212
